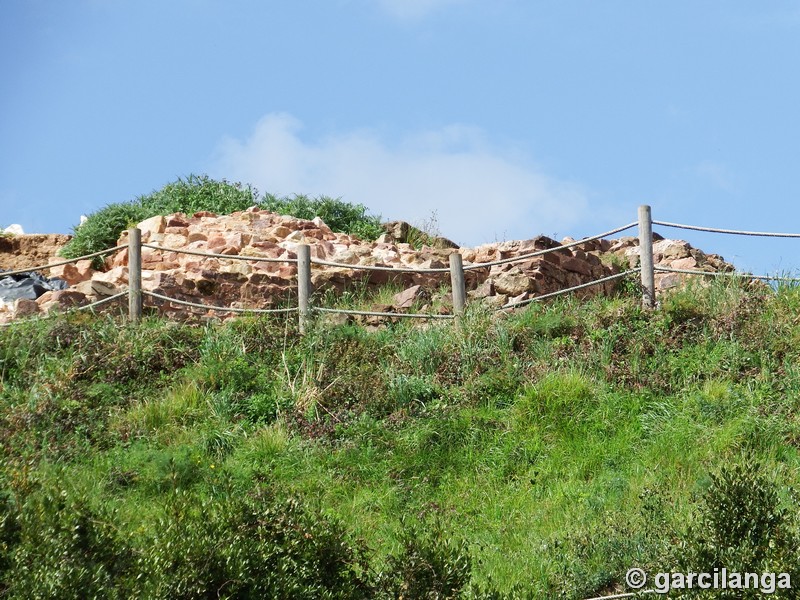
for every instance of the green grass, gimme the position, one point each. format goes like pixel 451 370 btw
pixel 536 455
pixel 337 214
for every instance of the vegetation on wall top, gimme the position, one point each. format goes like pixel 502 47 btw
pixel 202 193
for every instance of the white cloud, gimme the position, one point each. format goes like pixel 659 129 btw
pixel 480 193
pixel 414 9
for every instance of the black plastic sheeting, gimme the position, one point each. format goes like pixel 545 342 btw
pixel 29 285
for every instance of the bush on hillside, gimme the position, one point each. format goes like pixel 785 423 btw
pixel 64 546
pixel 196 193
pixel 432 564
pixel 742 526
pixel 248 547
pixel 102 229
pixel 340 216
pixel 200 193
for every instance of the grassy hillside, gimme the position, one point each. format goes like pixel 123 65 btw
pixel 536 455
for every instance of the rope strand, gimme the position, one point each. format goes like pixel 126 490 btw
pixel 570 289
pixel 63 262
pixel 727 231
pixel 220 308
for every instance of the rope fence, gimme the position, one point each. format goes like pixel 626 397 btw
pixel 727 231
pixel 570 289
pixel 219 308
pixel 328 263
pixel 61 263
pixel 457 269
pixel 304 261
pixel 91 307
pixel 369 313
pixel 213 255
pixel 694 272
pixel 97 303
pixel 726 274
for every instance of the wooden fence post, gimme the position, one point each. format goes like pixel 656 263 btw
pixel 303 284
pixel 134 275
pixel 457 284
pixel 646 256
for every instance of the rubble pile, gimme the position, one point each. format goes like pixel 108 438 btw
pixel 262 284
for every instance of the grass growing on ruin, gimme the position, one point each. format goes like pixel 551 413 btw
pixel 197 193
pixel 540 454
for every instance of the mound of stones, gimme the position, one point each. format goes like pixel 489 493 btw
pixel 254 283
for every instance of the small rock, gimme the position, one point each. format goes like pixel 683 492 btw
pixel 281 232
pixel 576 265
pixel 684 263
pixel 296 236
pixel 511 284
pixel 152 225
pixel 495 301
pixel 484 290
pixel 24 307
pixel 397 230
pixel 115 275
pixel 14 229
pixel 177 220
pixel 68 273
pixel 407 297
pixel 61 299
pixel 196 236
pixel 336 319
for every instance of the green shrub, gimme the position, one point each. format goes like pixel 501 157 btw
pixel 253 547
pixel 66 548
pixel 562 400
pixel 348 371
pixel 498 386
pixel 741 526
pixel 337 214
pixel 9 533
pixel 196 193
pixel 432 565
pixel 103 228
pixel 61 544
pixel 406 389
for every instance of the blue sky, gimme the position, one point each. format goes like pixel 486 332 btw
pixel 508 118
